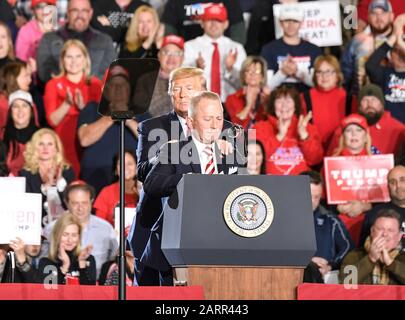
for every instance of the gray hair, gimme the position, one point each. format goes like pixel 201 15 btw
pixel 197 99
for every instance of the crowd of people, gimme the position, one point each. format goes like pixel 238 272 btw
pixel 297 102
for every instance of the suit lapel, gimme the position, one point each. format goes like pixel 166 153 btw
pixel 219 159
pixel 193 159
pixel 179 130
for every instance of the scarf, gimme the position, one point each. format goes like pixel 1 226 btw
pixel 22 135
pixel 380 274
pixel 13 136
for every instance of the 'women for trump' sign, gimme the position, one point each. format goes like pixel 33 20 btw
pixel 362 178
pixel 20 216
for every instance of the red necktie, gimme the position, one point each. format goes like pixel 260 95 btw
pixel 210 166
pixel 215 71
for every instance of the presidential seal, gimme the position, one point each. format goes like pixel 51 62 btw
pixel 248 211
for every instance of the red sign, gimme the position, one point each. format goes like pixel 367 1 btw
pixel 361 178
pixel 312 291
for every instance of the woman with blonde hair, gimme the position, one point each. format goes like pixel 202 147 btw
pixel 68 93
pixel 73 264
pixel 355 140
pixel 144 35
pixel 46 171
pixel 328 100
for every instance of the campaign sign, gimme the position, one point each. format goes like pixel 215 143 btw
pixel 361 178
pixel 12 185
pixel 321 25
pixel 20 216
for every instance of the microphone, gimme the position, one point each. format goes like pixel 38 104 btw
pixel 237 135
pixel 234 131
pixel 12 261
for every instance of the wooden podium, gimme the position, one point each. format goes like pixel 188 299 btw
pixel 203 250
pixel 241 282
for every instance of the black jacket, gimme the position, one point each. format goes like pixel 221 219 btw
pixel 152 134
pixel 86 275
pixel 33 184
pixel 14 274
pixel 162 181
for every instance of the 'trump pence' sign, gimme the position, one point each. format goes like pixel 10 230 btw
pixel 20 216
pixel 321 25
pixel 361 178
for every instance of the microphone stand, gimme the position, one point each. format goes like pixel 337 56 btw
pixel 122 116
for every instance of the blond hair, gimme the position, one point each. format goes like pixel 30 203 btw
pixel 31 161
pixel 132 40
pixel 186 72
pixel 60 226
pixel 78 44
pixel 342 145
pixel 10 52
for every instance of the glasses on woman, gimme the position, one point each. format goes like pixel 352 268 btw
pixel 327 73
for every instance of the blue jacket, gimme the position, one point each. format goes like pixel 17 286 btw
pixel 332 238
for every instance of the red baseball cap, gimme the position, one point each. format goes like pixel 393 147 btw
pixel 215 11
pixel 354 119
pixel 34 3
pixel 173 39
pixel 117 70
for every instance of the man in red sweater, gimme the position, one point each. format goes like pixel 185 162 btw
pixel 387 133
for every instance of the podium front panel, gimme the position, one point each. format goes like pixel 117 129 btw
pixel 195 231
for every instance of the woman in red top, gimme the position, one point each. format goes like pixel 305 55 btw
pixel 354 141
pixel 327 99
pixel 19 129
pixel 68 93
pixel 109 196
pixel 291 143
pixel 246 106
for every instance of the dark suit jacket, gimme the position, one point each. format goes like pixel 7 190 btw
pixel 33 184
pixel 152 134
pixel 162 181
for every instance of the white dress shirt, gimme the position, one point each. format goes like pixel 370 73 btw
pixel 204 158
pixel 183 124
pixel 203 44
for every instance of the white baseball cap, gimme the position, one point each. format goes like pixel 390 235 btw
pixel 291 12
pixel 22 95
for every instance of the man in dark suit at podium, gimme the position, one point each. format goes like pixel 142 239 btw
pixel 184 83
pixel 199 154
